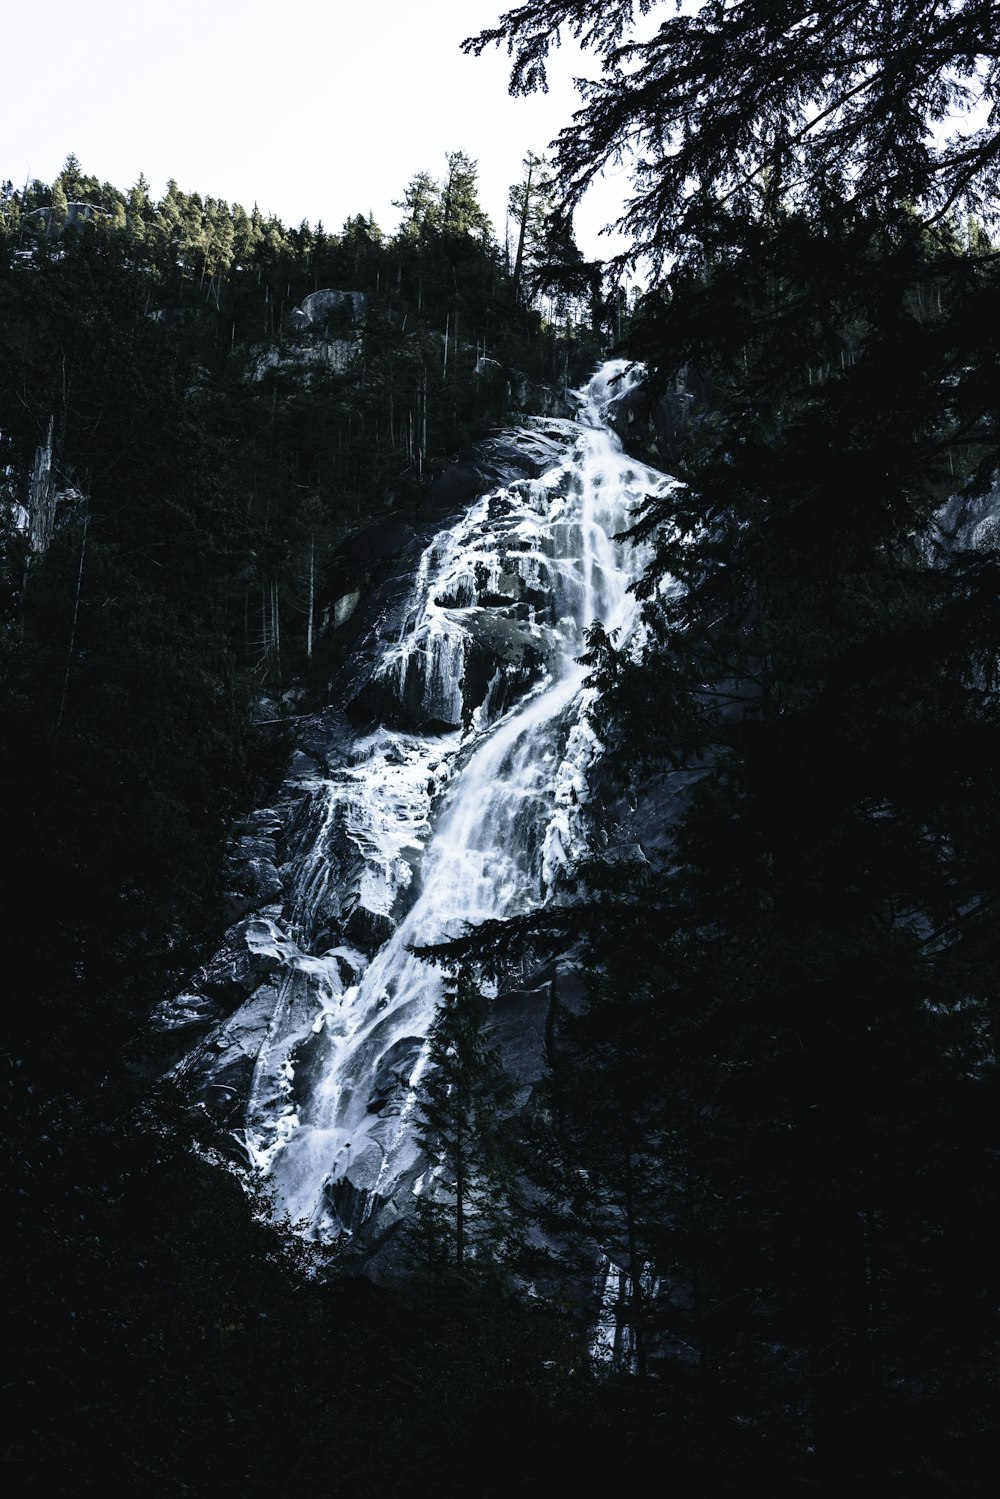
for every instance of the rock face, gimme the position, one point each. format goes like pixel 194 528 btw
pixel 322 332
pixel 517 390
pixel 321 308
pixel 655 427
pixel 333 354
pixel 964 523
pixel 451 782
pixel 454 779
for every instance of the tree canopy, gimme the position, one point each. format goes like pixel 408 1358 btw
pixel 771 1098
pixel 794 994
pixel 719 106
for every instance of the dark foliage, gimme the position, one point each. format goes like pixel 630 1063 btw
pixel 775 1112
pixel 204 478
pixel 792 1014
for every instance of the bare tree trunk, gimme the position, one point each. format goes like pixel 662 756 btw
pixel 636 1308
pixel 72 634
pixel 276 630
pixel 522 230
pixel 312 597
pixel 41 499
pixel 459 1203
pixel 423 444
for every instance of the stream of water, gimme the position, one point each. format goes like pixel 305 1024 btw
pixel 479 817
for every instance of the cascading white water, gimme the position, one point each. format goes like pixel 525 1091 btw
pixel 477 818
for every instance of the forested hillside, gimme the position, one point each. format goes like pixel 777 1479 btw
pixel 187 462
pixel 770 1098
pixel 205 452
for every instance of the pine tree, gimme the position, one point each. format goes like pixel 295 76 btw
pixel 421 205
pixel 72 177
pixel 464 1097
pixel 60 205
pixel 528 205
pixel 715 99
pixel 817 948
pixel 461 213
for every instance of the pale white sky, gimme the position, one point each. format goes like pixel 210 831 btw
pixel 315 110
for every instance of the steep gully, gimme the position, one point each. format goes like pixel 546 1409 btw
pixel 464 797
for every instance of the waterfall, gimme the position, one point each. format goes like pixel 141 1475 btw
pixel 467 801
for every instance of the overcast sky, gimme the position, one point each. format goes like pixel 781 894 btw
pixel 314 110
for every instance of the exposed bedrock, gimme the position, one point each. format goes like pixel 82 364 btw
pixel 454 779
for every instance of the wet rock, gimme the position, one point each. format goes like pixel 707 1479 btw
pixel 965 521
pixel 184 1011
pixel 404 816
pixel 519 391
pixel 221 1067
pixel 655 427
pixel 986 535
pixel 345 606
pixel 368 929
pixel 248 957
pixel 391 1082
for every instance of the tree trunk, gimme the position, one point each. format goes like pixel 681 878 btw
pixel 41 499
pixel 522 230
pixel 312 597
pixel 459 1202
pixel 72 634
pixel 636 1308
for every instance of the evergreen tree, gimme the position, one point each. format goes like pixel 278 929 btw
pixel 420 203
pixel 528 205
pixel 561 271
pixel 716 98
pixel 60 205
pixel 71 177
pixel 817 674
pixel 461 213
pixel 464 1096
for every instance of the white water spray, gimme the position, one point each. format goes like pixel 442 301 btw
pixel 525 572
